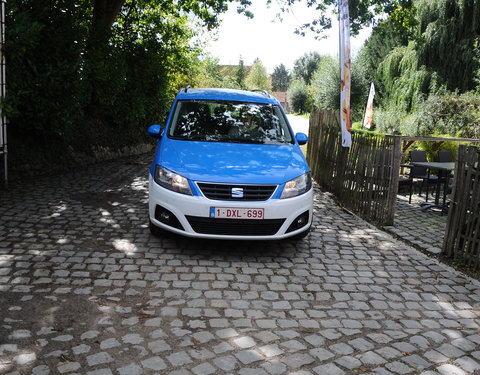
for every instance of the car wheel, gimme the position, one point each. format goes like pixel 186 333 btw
pixel 156 231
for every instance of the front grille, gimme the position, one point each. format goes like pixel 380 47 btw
pixel 223 192
pixel 233 227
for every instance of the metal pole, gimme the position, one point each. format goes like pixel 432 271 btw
pixel 3 92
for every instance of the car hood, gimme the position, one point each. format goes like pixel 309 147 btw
pixel 232 162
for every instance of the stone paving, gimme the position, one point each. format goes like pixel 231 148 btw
pixel 85 289
pixel 423 229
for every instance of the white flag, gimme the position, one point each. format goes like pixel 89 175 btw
pixel 368 119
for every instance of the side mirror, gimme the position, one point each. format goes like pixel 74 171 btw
pixel 302 138
pixel 155 131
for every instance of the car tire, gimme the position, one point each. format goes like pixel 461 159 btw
pixel 157 231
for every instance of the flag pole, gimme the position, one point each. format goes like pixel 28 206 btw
pixel 345 72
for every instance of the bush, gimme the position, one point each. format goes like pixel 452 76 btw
pixel 406 84
pixel 45 94
pixel 387 121
pixel 432 155
pixel 450 113
pixel 298 96
pixel 68 93
pixel 326 84
pixel 444 113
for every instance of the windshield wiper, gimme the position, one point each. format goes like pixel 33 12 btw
pixel 242 140
pixel 196 137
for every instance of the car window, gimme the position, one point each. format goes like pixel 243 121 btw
pixel 221 121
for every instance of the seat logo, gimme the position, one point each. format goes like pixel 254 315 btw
pixel 237 193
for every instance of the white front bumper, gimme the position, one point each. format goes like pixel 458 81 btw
pixel 198 206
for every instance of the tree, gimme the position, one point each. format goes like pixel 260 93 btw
pixel 430 58
pixel 326 83
pixel 105 12
pixel 305 66
pixel 258 77
pixel 207 74
pixel 280 78
pixel 449 30
pixel 440 51
pixel 362 13
pixel 298 96
pixel 84 74
pixel 384 38
pixel 240 73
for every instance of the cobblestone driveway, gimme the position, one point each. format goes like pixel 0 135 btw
pixel 84 288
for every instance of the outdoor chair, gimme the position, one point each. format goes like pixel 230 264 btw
pixel 445 156
pixel 420 173
pixel 406 181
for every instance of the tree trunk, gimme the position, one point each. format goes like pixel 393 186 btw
pixel 104 14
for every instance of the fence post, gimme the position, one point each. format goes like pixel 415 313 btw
pixel 454 214
pixel 311 132
pixel 340 168
pixel 394 175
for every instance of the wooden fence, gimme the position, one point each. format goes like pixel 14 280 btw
pixel 462 236
pixel 364 177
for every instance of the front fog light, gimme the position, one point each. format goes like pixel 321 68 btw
pixel 297 186
pixel 299 222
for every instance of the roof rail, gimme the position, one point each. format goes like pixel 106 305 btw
pixel 261 91
pixel 186 88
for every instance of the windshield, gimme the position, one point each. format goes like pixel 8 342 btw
pixel 222 121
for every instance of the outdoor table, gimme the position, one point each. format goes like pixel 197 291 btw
pixel 444 170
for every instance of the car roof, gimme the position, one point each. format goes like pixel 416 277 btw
pixel 226 94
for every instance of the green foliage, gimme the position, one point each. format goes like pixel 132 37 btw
pixel 362 13
pixel 208 74
pixel 258 77
pixel 81 76
pixel 446 40
pixel 384 38
pixel 304 67
pixel 44 80
pixel 241 73
pixel 450 113
pixel 280 78
pixel 388 120
pixel 420 83
pixel 477 62
pixel 132 79
pixel 443 113
pixel 326 87
pixel 441 51
pixel 326 84
pixel 298 97
pixel 432 148
pixel 406 82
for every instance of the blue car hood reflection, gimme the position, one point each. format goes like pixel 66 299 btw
pixel 232 162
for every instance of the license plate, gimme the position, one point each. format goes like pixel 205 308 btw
pixel 236 213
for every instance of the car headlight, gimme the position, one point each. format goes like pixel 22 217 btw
pixel 297 186
pixel 172 181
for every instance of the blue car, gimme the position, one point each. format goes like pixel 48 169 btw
pixel 228 166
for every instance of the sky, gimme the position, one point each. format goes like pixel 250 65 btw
pixel 272 41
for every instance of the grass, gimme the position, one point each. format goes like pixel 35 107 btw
pixel 304 115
